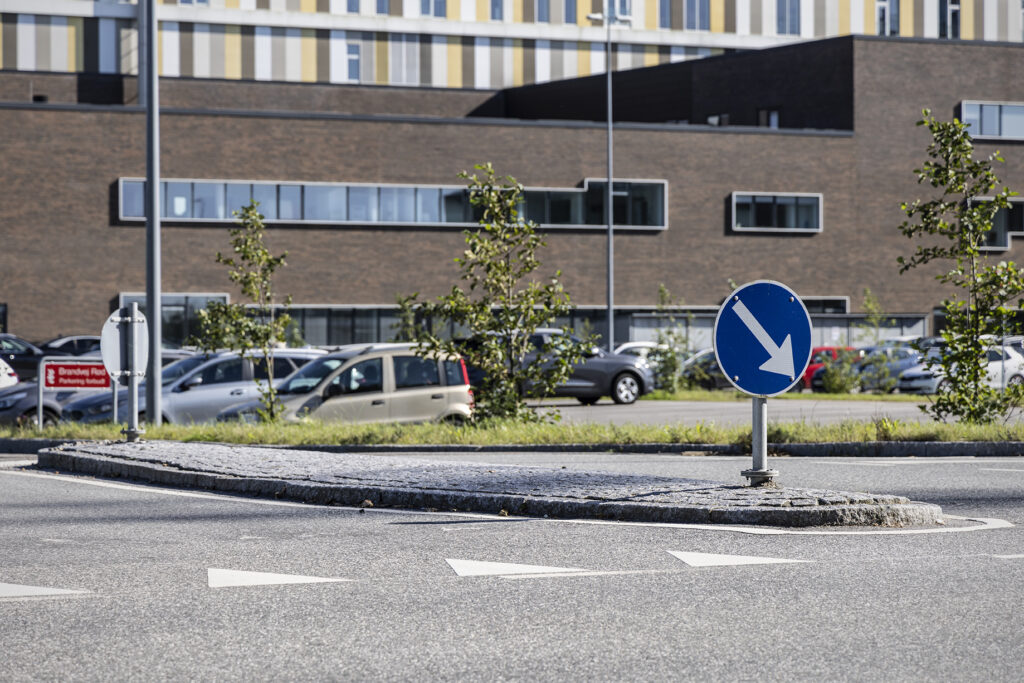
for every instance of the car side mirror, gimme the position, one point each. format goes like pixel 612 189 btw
pixel 333 390
pixel 192 382
pixel 592 351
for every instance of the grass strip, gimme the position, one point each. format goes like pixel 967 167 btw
pixel 499 433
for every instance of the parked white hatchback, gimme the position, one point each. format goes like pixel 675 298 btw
pixel 8 377
pixel 1005 367
pixel 371 383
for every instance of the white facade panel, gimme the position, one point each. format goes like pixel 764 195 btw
pixel 742 18
pixel 931 19
pixel 991 20
pixel 769 14
pixel 570 60
pixel 292 54
pixel 263 68
pixel 247 4
pixel 171 46
pixel 807 17
pixel 26 32
pixel 597 56
pixel 467 11
pixel 482 63
pixel 439 61
pixel 857 16
pixel 59 44
pixel 201 51
pixel 543 62
pixel 338 57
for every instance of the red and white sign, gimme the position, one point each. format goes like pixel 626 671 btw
pixel 75 375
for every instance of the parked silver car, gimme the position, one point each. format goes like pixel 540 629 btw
pixel 196 388
pixel 371 383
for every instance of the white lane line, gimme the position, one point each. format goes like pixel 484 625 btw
pixel 14 590
pixel 716 560
pixel 226 578
pixel 994 469
pixel 561 575
pixel 1010 557
pixel 983 523
pixel 855 464
pixel 479 568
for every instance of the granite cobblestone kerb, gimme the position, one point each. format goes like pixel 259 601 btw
pixel 351 479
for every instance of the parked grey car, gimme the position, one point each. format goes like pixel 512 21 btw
pixel 196 388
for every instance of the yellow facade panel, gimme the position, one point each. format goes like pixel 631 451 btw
pixel 308 38
pixel 308 6
pixel 844 17
pixel 967 19
pixel 651 14
pixel 650 55
pixel 76 44
pixel 232 52
pixel 906 18
pixel 718 16
pixel 517 62
pixel 483 10
pixel 231 4
pixel 870 17
pixel 380 57
pixel 454 62
pixel 453 9
pixel 583 58
pixel 517 10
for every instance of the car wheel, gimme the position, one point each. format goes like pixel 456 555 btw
pixel 49 418
pixel 455 420
pixel 1015 381
pixel 588 400
pixel 625 389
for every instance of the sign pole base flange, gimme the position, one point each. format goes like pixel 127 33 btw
pixel 760 477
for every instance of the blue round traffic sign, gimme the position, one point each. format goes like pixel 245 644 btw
pixel 762 338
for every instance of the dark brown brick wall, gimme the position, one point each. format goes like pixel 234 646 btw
pixel 63 257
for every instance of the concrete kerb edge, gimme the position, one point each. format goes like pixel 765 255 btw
pixel 355 495
pixel 877 449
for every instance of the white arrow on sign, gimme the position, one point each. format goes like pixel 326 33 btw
pixel 780 359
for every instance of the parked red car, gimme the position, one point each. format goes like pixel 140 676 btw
pixel 819 354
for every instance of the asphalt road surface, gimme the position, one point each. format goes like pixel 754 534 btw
pixel 730 413
pixel 185 585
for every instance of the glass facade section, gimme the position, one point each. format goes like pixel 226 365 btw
pixel 776 212
pixel 637 204
pixel 994 120
pixel 1006 222
pixel 787 17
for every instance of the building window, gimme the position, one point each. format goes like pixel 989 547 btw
pixel 179 311
pixel 637 204
pixel 993 119
pixel 497 10
pixel 570 11
pixel 353 6
pixel 544 11
pixel 1006 223
pixel 768 118
pixel 383 6
pixel 353 61
pixel 887 13
pixel 3 317
pixel 664 13
pixel 698 15
pixel 770 212
pixel 624 8
pixel 433 8
pixel 949 19
pixel 787 17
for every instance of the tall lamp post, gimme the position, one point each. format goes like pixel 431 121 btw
pixel 609 17
pixel 150 83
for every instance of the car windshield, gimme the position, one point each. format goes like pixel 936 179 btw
pixel 310 375
pixel 181 367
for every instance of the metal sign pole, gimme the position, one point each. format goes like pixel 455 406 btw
pixel 132 432
pixel 113 398
pixel 759 474
pixel 40 381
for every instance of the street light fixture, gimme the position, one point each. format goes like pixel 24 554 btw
pixel 609 17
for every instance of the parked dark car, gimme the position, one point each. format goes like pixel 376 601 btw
pixel 623 377
pixel 22 355
pixel 74 345
pixel 702 370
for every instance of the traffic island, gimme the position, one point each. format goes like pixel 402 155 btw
pixel 360 480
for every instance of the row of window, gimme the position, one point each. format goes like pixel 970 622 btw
pixel 1005 223
pixel 759 211
pixel 635 204
pixel 993 119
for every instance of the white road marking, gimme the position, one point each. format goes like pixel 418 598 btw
pixel 478 568
pixel 856 464
pixel 16 463
pixel 224 578
pixel 559 575
pixel 993 469
pixel 983 523
pixel 716 560
pixel 1010 557
pixel 14 590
